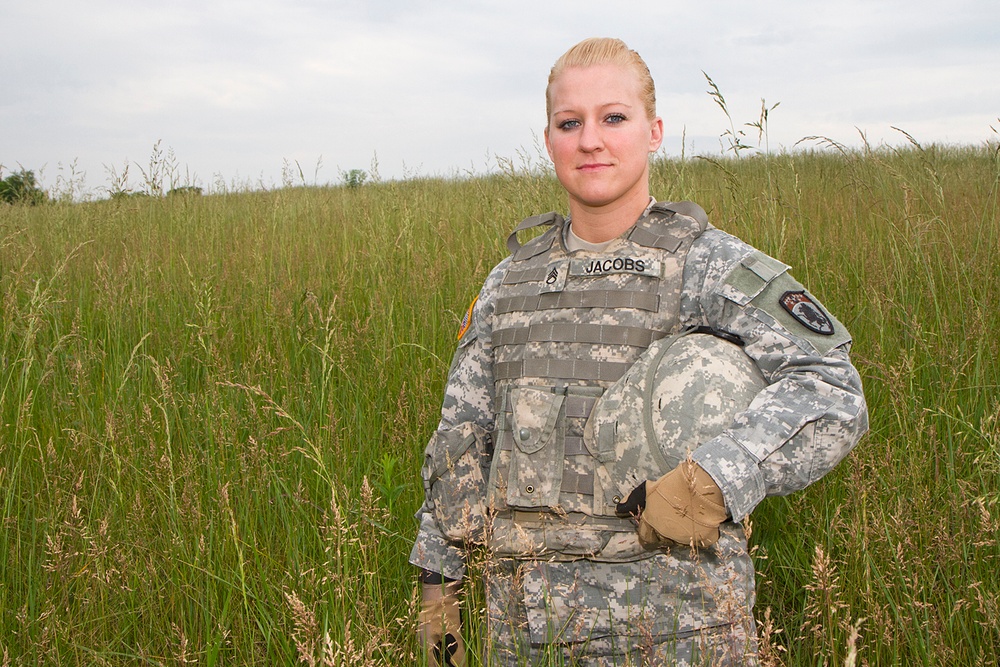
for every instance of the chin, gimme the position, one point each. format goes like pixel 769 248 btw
pixel 597 198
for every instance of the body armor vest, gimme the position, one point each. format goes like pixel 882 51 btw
pixel 566 327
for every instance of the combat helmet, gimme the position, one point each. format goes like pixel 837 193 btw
pixel 682 391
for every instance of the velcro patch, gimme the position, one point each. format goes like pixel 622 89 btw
pixel 645 266
pixel 467 320
pixel 807 312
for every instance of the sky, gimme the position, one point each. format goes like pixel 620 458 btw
pixel 258 93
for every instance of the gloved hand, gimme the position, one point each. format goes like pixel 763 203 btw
pixel 685 506
pixel 439 627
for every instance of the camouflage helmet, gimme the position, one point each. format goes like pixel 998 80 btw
pixel 682 391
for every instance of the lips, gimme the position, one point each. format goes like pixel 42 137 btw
pixel 593 166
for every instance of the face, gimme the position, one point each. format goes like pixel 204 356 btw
pixel 599 137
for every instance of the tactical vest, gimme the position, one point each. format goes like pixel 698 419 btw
pixel 566 327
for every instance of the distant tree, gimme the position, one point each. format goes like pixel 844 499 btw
pixel 185 190
pixel 355 178
pixel 21 188
pixel 119 195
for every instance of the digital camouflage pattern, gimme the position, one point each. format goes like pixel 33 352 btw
pixel 456 455
pixel 602 614
pixel 683 391
pixel 551 330
pixel 813 411
pixel 566 327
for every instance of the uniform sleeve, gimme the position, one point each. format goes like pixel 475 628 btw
pixel 457 457
pixel 813 411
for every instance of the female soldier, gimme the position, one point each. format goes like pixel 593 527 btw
pixel 571 387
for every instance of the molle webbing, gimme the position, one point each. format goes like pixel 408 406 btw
pixel 591 299
pixel 573 324
pixel 550 519
pixel 569 369
pixel 532 275
pixel 645 237
pixel 570 332
pixel 579 402
pixel 574 445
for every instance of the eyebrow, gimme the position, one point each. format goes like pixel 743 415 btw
pixel 603 106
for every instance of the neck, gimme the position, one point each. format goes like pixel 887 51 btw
pixel 597 224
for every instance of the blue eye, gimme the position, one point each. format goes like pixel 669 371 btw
pixel 615 118
pixel 568 125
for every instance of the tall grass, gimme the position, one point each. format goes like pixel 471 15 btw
pixel 213 410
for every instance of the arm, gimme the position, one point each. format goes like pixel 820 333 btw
pixel 457 457
pixel 812 413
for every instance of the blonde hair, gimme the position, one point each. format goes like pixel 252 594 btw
pixel 605 51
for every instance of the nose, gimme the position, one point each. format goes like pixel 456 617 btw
pixel 590 138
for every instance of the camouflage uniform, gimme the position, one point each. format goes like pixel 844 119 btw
pixel 516 465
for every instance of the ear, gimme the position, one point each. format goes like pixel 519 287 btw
pixel 548 146
pixel 656 135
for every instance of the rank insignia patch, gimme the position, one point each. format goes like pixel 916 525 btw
pixel 807 312
pixel 467 320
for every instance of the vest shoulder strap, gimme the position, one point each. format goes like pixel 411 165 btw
pixel 667 239
pixel 670 225
pixel 550 218
pixel 540 244
pixel 688 208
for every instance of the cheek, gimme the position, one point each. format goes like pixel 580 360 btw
pixel 637 148
pixel 559 151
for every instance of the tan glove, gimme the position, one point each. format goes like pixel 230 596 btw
pixel 439 627
pixel 685 506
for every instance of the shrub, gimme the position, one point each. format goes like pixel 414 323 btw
pixel 21 188
pixel 355 178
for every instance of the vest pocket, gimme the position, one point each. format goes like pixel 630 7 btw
pixel 538 452
pixel 454 482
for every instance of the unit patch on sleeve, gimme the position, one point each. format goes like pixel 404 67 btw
pixel 467 320
pixel 807 312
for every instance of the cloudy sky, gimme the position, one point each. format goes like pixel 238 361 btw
pixel 236 91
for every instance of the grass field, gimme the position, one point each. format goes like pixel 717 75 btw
pixel 213 410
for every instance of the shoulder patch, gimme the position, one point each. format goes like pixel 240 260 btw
pixel 467 320
pixel 763 287
pixel 807 312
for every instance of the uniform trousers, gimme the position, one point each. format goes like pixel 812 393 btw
pixel 579 614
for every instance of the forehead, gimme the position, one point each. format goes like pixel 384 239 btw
pixel 594 85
